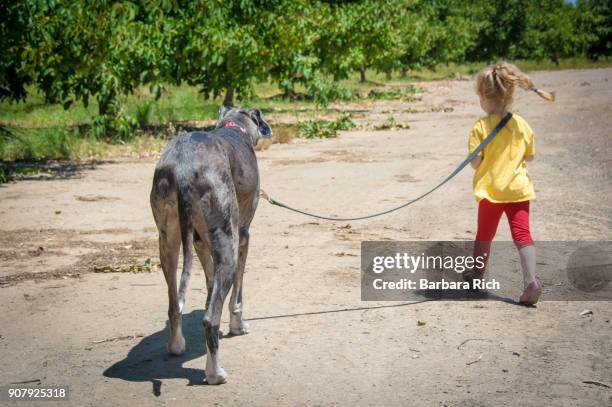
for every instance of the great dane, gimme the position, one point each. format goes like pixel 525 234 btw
pixel 205 192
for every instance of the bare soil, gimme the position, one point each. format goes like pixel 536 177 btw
pixel 313 341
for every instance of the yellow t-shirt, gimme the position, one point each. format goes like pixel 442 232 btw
pixel 502 174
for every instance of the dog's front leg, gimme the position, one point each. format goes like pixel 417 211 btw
pixel 224 247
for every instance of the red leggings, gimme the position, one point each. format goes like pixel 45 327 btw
pixel 489 214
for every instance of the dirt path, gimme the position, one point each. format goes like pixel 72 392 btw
pixel 312 340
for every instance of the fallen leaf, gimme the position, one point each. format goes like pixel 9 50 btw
pixel 474 361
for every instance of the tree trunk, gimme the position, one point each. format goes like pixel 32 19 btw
pixel 388 75
pixel 51 99
pixel 229 97
pixel 104 105
pixel 555 59
pixel 362 75
pixel 288 91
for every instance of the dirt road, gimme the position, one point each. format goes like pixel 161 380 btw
pixel 312 341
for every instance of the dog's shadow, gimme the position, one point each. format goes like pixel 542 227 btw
pixel 148 360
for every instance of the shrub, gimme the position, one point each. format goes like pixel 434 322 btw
pixel 405 94
pixel 324 128
pixel 391 124
pixel 144 111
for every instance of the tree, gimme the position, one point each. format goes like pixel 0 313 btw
pixel 362 35
pixel 441 32
pixel 218 46
pixel 504 25
pixel 290 34
pixel 78 50
pixel 551 31
pixel 15 18
pixel 595 23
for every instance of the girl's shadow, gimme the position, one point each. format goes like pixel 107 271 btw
pixel 148 360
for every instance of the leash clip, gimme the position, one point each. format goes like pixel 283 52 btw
pixel 265 195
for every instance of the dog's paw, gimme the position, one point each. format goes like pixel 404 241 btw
pixel 238 326
pixel 217 377
pixel 176 347
pixel 239 331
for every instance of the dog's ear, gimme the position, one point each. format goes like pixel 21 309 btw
pixel 262 126
pixel 222 112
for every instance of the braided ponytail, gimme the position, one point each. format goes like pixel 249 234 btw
pixel 497 82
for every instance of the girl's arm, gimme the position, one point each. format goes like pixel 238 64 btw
pixel 477 160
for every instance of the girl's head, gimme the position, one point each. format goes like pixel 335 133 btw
pixel 496 83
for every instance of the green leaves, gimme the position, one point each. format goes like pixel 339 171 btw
pixel 73 51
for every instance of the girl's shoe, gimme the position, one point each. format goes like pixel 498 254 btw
pixel 531 295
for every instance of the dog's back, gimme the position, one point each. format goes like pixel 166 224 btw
pixel 204 160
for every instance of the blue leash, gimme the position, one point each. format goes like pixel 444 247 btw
pixel 461 166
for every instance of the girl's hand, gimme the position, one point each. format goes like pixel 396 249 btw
pixel 529 158
pixel 476 162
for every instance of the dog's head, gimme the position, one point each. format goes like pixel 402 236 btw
pixel 250 119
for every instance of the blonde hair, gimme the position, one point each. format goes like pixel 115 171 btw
pixel 497 83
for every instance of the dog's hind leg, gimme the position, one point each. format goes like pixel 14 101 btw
pixel 223 232
pixel 237 324
pixel 165 213
pixel 169 247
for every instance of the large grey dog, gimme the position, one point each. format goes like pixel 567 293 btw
pixel 205 192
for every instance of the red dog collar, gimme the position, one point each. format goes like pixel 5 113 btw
pixel 233 124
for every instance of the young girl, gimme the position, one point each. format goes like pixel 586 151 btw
pixel 501 182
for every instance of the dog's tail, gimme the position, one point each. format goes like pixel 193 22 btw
pixel 185 210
